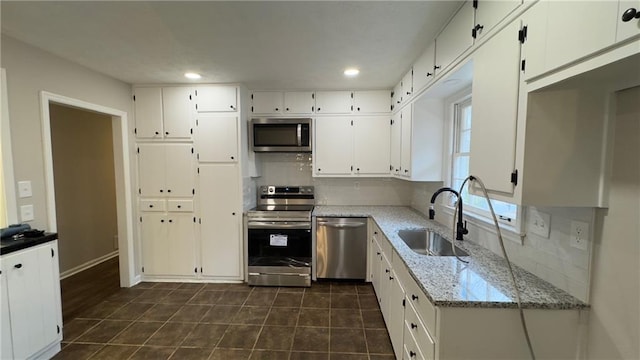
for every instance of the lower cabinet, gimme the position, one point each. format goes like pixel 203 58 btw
pixel 30 303
pixel 168 244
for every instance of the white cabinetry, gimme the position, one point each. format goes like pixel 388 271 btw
pixel 220 218
pixel 490 12
pixel 266 102
pixel 407 86
pixel 168 243
pixel 216 98
pixel 163 113
pixel 455 39
pixel 496 81
pixel 627 29
pixel 166 170
pixel 423 73
pixel 299 102
pixel 397 303
pixel 32 313
pixel 373 101
pixel 352 146
pixel 278 102
pixel 334 102
pixel 217 137
pixel 6 346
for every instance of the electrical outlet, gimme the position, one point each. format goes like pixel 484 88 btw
pixel 24 189
pixel 540 224
pixel 26 212
pixel 579 235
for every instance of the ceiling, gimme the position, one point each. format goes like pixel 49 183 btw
pixel 263 44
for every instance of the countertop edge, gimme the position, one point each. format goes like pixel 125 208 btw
pixel 9 246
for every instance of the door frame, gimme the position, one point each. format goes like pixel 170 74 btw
pixel 124 203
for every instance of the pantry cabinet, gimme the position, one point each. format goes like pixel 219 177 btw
pixel 165 170
pixel 31 306
pixel 348 146
pixel 455 38
pixel 220 221
pixel 163 113
pixel 334 102
pixel 168 243
pixel 217 137
pixel 496 81
pixel 216 98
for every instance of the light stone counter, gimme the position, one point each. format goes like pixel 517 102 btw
pixel 448 282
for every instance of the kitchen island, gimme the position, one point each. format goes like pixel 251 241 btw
pixel 440 307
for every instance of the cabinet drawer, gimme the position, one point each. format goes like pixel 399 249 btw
pixel 180 205
pixel 385 245
pixel 411 350
pixel 153 205
pixel 423 339
pixel 416 297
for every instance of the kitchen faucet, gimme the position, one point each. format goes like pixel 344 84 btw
pixel 461 228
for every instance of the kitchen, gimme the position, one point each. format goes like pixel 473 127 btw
pixel 591 276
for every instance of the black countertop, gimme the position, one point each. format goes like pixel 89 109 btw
pixel 10 245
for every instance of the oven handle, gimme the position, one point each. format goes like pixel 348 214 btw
pixel 279 225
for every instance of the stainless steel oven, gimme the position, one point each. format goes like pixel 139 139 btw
pixel 279 237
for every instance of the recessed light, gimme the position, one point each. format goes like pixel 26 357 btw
pixel 191 75
pixel 351 72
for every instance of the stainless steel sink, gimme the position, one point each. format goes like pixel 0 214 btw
pixel 426 242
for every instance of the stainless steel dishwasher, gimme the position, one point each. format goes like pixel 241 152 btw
pixel 341 248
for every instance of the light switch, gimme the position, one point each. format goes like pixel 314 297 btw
pixel 24 189
pixel 26 212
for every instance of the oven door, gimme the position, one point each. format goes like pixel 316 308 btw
pixel 285 245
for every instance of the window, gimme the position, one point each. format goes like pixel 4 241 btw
pixel 474 204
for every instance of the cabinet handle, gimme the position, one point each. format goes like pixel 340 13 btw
pixel 375 232
pixel 413 326
pixel 169 190
pixel 287 109
pixel 436 67
pixel 408 93
pixel 406 170
pixel 390 277
pixel 414 297
pixel 170 220
pixel 386 270
pixel 429 74
pixel 358 169
pixel 161 190
pixel 150 206
pixel 166 133
pixel 179 206
pixel 232 107
pixel 377 252
pixel 630 14
pixel 17 266
pixel 232 158
pixel 412 354
pixel 318 108
pixel 277 109
pixel 319 169
pixel 358 109
pixel 234 214
pixel 162 220
pixel 157 133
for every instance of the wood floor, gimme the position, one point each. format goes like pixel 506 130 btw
pixel 89 288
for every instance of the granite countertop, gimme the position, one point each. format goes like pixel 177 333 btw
pixel 10 245
pixel 448 282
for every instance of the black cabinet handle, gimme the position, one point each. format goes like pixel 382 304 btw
pixel 390 277
pixel 318 108
pixel 630 14
pixel 277 109
pixel 386 270
pixel 412 354
pixel 319 169
pixel 436 67
pixel 429 74
pixel 232 158
pixel 358 169
pixel 377 252
pixel 166 133
pixel 162 220
pixel 413 326
pixel 232 107
pixel 17 266
pixel 157 133
pixel 161 190
pixel 287 109
pixel 170 220
pixel 150 206
pixel 408 93
pixel 414 297
pixel 406 170
pixel 169 190
pixel 179 206
pixel 358 109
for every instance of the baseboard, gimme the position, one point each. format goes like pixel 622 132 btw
pixel 87 265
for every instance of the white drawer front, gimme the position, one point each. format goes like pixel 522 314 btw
pixel 153 205
pixel 411 350
pixel 425 309
pixel 423 339
pixel 180 205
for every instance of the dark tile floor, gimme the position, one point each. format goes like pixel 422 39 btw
pixel 330 320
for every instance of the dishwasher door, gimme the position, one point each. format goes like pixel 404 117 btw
pixel 341 248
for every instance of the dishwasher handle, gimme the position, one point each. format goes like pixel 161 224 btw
pixel 341 224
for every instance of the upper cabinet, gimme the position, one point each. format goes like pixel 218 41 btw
pixel 216 98
pixel 266 102
pixel 299 102
pixel 163 113
pixel 490 12
pixel 374 101
pixel 455 39
pixel 217 138
pixel 423 73
pixel 554 39
pixel 628 20
pixel 334 102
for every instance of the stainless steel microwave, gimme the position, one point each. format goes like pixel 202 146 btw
pixel 280 134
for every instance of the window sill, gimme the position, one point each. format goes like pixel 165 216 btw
pixel 509 232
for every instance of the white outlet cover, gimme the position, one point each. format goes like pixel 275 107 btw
pixel 24 189
pixel 579 237
pixel 26 213
pixel 540 224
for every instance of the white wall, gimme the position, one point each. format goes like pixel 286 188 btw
pixel 614 324
pixel 29 71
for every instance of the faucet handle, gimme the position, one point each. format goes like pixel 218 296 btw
pixel 464 229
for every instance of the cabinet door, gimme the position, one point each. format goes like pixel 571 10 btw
pixel 396 98
pixel 148 110
pixel 597 23
pixel 405 141
pixel 220 232
pixel 181 244
pixel 629 29
pixel 179 170
pixel 407 86
pixel 216 98
pixel 376 264
pixel 217 138
pixel 333 154
pixel 178 109
pixel 374 101
pixel 31 280
pixel 155 244
pixel 371 145
pixel 494 112
pixel 6 346
pixel 385 287
pixel 396 315
pixel 396 143
pixel 299 102
pixel 490 12
pixel 455 38
pixel 423 68
pixel 151 167
pixel 334 102
pixel 535 45
pixel 266 102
